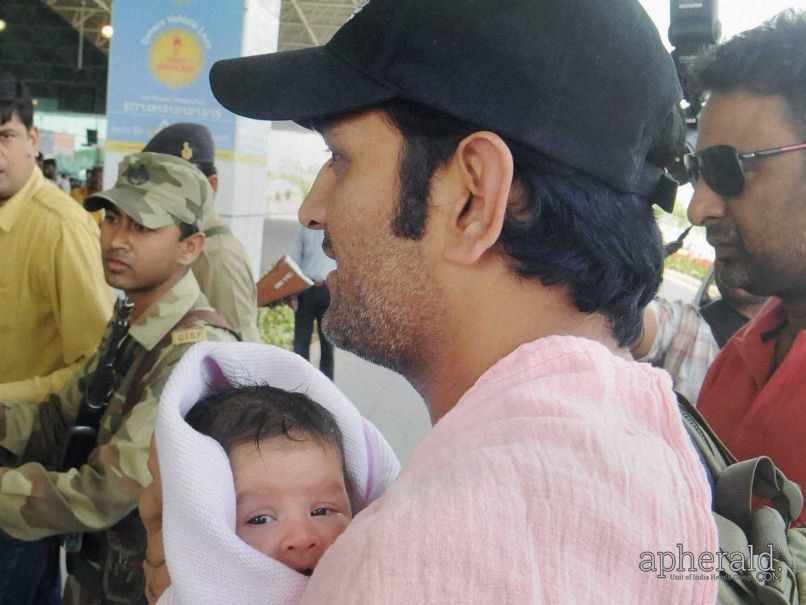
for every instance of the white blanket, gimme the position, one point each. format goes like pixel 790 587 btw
pixel 208 563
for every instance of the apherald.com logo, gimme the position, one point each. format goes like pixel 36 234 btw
pixel 683 565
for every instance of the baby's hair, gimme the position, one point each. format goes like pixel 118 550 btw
pixel 255 413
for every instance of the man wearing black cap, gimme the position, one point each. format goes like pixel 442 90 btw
pixel 488 204
pixel 222 268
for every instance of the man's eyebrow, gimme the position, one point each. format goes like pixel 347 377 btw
pixel 329 131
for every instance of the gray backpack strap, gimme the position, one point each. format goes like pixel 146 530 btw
pixel 739 482
pixel 769 582
pixel 752 534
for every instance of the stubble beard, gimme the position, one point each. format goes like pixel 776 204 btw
pixel 385 316
pixel 761 274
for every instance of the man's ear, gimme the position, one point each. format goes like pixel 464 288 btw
pixel 33 139
pixel 486 169
pixel 191 248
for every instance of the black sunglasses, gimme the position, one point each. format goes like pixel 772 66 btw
pixel 721 166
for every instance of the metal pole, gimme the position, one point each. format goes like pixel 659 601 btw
pixel 80 60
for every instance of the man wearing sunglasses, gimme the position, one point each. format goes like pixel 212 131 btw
pixel 750 195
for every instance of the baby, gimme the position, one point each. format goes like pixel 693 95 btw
pixel 287 458
pixel 247 472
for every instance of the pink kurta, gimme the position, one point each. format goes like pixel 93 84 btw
pixel 545 484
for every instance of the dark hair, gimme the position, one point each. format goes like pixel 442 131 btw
pixel 255 413
pixel 49 162
pixel 767 60
pixel 566 229
pixel 186 230
pixel 208 168
pixel 15 98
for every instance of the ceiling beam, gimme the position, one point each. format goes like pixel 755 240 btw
pixel 304 19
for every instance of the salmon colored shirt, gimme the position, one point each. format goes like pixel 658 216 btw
pixel 54 301
pixel 757 410
pixel 548 482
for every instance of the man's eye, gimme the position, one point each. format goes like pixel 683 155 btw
pixel 259 520
pixel 334 157
pixel 320 512
pixel 141 228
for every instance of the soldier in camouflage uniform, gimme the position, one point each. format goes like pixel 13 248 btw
pixel 222 269
pixel 149 238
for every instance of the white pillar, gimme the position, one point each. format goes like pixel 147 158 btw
pixel 160 58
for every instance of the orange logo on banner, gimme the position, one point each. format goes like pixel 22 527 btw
pixel 176 58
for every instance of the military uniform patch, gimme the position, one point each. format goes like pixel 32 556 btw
pixel 136 174
pixel 188 336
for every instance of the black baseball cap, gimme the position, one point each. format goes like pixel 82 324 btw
pixel 191 142
pixel 585 82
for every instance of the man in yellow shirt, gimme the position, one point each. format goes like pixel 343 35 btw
pixel 54 302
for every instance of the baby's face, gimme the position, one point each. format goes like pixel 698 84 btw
pixel 291 499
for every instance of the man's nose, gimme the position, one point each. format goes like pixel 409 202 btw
pixel 118 237
pixel 312 210
pixel 705 205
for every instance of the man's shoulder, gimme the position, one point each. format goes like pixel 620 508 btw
pixel 678 310
pixel 223 263
pixel 50 201
pixel 224 244
pixel 202 316
pixel 202 323
pixel 199 324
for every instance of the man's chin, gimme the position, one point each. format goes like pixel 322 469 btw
pixel 116 281
pixel 330 327
pixel 731 273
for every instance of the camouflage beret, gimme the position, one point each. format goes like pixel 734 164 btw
pixel 157 190
pixel 192 142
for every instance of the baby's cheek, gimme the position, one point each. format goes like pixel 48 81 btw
pixel 255 536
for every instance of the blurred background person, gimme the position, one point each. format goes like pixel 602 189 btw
pixel 311 304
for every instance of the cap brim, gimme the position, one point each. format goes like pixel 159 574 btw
pixel 130 202
pixel 299 85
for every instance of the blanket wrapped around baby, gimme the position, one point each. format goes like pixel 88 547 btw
pixel 208 563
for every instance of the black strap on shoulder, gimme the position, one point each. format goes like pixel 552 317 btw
pixel 694 421
pixel 723 320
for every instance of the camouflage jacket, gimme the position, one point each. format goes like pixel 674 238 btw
pixel 225 277
pixel 100 497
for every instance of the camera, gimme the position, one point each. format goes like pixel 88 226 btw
pixel 693 27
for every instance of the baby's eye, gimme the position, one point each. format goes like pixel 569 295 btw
pixel 320 512
pixel 259 520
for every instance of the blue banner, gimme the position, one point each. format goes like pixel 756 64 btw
pixel 160 58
